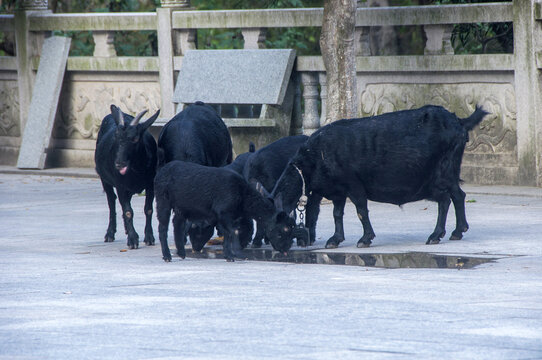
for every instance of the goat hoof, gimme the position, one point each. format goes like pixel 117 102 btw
pixel 456 236
pixel 331 245
pixel 362 244
pixel 333 242
pixel 432 241
pixel 230 259
pixel 256 245
pixel 167 258
pixel 109 239
pixel 149 240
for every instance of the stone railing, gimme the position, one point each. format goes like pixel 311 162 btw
pixel 505 149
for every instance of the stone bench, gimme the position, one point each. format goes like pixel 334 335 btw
pixel 252 91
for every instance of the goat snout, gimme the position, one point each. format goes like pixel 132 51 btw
pixel 121 168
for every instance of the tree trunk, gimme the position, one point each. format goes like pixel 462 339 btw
pixel 338 52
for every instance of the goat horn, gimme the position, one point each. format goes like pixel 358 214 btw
pixel 137 118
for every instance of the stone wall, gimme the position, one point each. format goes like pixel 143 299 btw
pixel 491 154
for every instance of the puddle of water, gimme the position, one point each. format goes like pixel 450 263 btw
pixel 389 261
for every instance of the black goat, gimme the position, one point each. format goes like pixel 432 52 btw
pixel 217 196
pixel 265 167
pixel 238 164
pixel 197 134
pixel 126 159
pixel 395 158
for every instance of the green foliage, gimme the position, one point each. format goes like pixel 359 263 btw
pixel 466 38
pixel 304 40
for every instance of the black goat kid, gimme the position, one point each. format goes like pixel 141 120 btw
pixel 197 134
pixel 216 196
pixel 395 158
pixel 126 160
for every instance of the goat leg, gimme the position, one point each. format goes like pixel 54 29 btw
pixel 440 228
pixel 111 202
pixel 149 197
pixel 179 232
pixel 338 236
pixel 461 225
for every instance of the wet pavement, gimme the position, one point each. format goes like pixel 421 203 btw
pixel 64 293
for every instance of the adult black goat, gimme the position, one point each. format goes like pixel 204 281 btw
pixel 265 167
pixel 126 159
pixel 395 158
pixel 198 135
pixel 217 196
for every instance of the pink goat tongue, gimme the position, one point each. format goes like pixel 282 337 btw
pixel 123 170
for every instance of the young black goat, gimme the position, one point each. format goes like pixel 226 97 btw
pixel 266 165
pixel 217 196
pixel 197 134
pixel 395 158
pixel 238 164
pixel 125 159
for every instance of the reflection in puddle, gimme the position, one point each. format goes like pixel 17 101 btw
pixel 390 261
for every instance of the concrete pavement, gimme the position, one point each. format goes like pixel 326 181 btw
pixel 64 294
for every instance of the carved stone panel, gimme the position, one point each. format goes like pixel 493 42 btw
pixel 496 134
pixel 9 109
pixel 84 104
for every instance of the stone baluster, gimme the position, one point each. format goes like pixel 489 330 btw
pixel 297 114
pixel 32 5
pixel 28 45
pixel 438 39
pixel 311 120
pixel 176 4
pixel 169 44
pixel 322 79
pixel 362 40
pixel 184 40
pixel 103 43
pixel 254 38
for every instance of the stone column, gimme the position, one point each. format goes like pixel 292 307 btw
pixel 104 46
pixel 527 42
pixel 311 120
pixel 322 79
pixel 166 51
pixel 363 41
pixel 254 38
pixel 297 114
pixel 438 39
pixel 184 40
pixel 27 45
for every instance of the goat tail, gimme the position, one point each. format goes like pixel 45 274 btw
pixel 476 117
pixel 251 147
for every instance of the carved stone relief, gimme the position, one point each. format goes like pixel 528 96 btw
pixel 9 109
pixel 496 134
pixel 85 104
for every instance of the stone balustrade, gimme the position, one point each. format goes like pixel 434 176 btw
pixel 505 149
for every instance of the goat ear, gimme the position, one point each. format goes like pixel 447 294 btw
pixel 144 126
pixel 278 202
pixel 261 189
